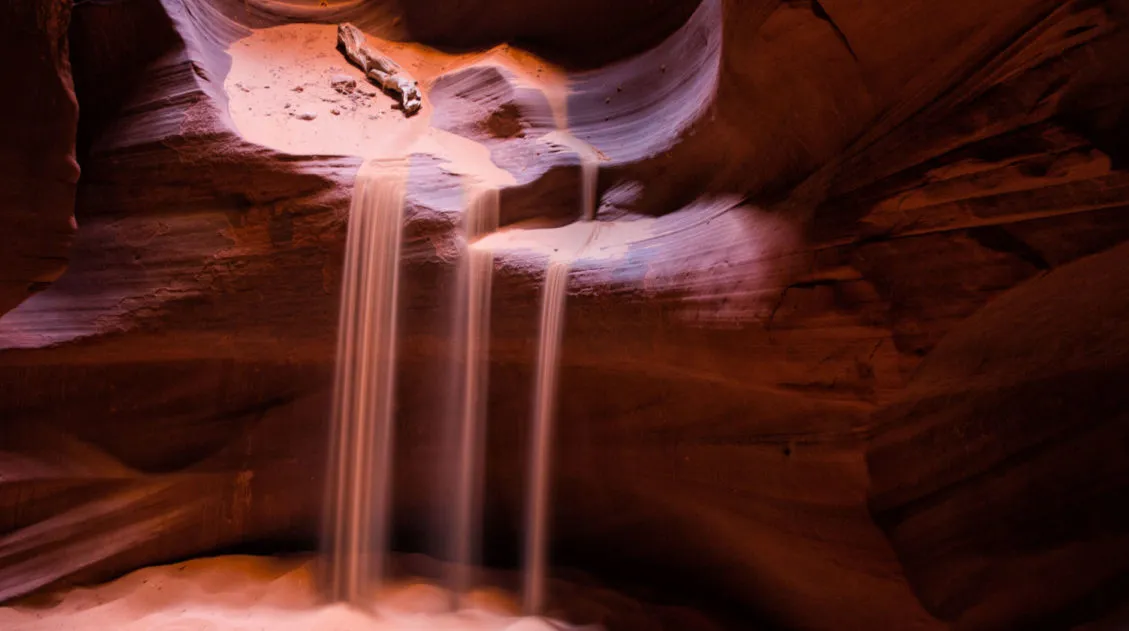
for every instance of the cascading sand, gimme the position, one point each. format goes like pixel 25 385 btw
pixel 551 330
pixel 360 486
pixel 588 173
pixel 544 412
pixel 473 333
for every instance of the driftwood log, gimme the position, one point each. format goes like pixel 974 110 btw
pixel 379 69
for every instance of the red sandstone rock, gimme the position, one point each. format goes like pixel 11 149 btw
pixel 1003 459
pixel 38 115
pixel 840 383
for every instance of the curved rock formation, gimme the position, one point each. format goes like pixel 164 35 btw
pixel 819 365
pixel 37 136
pixel 1004 457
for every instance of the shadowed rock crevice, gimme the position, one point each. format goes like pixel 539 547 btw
pixel 821 13
pixel 37 153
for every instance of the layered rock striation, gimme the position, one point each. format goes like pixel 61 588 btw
pixel 843 349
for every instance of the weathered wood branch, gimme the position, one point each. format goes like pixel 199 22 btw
pixel 379 69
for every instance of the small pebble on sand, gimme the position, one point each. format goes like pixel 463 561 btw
pixel 343 83
pixel 335 112
pixel 306 116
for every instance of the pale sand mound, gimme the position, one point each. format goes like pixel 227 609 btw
pixel 238 593
pixel 281 95
pixel 282 76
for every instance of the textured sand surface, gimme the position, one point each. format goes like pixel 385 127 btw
pixel 239 593
pixel 281 96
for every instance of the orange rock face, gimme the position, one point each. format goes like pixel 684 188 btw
pixel 844 350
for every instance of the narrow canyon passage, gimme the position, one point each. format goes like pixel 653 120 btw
pixel 657 314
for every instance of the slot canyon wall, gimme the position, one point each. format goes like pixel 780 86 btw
pixel 864 370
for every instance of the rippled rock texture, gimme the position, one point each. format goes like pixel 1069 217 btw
pixel 846 350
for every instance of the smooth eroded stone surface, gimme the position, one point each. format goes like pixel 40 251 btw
pixel 819 366
pixel 38 117
pixel 1005 456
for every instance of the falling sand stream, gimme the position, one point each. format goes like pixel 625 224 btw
pixel 359 491
pixel 359 508
pixel 473 338
pixel 358 513
pixel 544 413
pixel 545 403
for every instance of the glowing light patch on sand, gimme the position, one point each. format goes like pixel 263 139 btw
pixel 281 95
pixel 254 594
pixel 603 240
